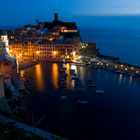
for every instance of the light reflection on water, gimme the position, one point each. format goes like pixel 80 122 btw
pixel 67 66
pixel 124 80
pixel 39 77
pixel 112 83
pixel 82 73
pixel 55 74
pixel 120 79
pixel 130 80
pixel 51 72
pixel 22 73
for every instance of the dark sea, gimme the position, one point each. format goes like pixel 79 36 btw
pixel 116 36
pixel 115 115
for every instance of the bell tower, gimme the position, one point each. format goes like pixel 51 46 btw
pixel 55 17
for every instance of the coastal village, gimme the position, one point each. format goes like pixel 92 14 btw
pixel 55 41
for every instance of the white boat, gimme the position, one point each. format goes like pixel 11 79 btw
pixel 74 74
pixel 62 70
pixel 91 83
pixel 63 97
pixel 62 86
pixel 72 71
pixel 74 77
pixel 99 91
pixel 79 87
pixel 81 64
pixel 62 78
pixel 82 102
pixel 62 82
pixel 118 71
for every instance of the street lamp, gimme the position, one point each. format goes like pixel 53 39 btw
pixel 121 65
pixel 137 71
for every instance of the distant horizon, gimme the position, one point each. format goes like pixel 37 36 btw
pixel 22 12
pixel 67 19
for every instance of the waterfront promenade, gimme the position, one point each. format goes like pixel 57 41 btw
pixel 119 67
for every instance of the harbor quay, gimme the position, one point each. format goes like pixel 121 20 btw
pixel 118 67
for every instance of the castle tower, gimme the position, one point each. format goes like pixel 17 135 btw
pixel 55 17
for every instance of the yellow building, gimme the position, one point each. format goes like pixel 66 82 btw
pixel 56 40
pixel 22 51
pixel 50 51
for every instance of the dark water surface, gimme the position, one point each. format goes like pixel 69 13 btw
pixel 113 116
pixel 115 35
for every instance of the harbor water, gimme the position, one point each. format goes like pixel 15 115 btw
pixel 115 35
pixel 113 115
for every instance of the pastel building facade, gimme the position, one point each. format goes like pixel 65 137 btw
pixel 54 40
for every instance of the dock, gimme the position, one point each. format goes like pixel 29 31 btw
pixel 118 67
pixel 111 65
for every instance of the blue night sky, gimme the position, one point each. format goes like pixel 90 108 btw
pixel 17 12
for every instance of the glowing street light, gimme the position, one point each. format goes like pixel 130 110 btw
pixel 54 52
pixel 74 53
pixel 37 52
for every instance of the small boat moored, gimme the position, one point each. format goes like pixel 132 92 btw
pixel 99 92
pixel 82 102
pixel 91 83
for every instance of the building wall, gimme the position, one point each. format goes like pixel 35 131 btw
pixel 92 49
pixel 43 51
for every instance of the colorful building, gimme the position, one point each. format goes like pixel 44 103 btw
pixel 55 40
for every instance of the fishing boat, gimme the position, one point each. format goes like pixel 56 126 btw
pixel 82 102
pixel 99 92
pixel 91 83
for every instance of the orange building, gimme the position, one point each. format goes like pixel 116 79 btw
pixel 54 40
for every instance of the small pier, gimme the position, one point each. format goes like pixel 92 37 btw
pixel 118 67
pixel 111 65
